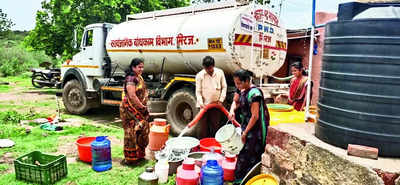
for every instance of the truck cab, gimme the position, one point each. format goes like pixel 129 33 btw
pixel 90 63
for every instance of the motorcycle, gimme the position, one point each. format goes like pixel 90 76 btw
pixel 46 77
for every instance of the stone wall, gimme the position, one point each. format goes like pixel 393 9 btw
pixel 298 160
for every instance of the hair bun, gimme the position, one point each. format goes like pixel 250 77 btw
pixel 249 73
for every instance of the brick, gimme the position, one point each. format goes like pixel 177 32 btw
pixel 266 160
pixel 362 151
pixel 388 178
pixel 277 138
pixel 266 170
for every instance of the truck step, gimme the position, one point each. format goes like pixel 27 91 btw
pixel 111 102
pixel 112 88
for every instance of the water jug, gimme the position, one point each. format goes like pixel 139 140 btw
pixel 158 135
pixel 213 155
pixel 148 177
pixel 212 173
pixel 230 139
pixel 229 166
pixel 161 169
pixel 101 154
pixel 186 173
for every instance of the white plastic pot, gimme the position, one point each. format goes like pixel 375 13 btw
pixel 230 139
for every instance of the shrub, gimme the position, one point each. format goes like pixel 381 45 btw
pixel 16 59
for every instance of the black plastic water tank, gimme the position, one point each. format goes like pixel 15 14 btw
pixel 360 82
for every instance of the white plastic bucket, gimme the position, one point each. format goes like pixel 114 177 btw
pixel 230 140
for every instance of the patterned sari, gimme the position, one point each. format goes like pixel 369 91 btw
pixel 297 92
pixel 135 121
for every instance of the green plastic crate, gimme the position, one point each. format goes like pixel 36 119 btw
pixel 40 168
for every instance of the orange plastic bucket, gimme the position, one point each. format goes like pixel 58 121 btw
pixel 84 148
pixel 207 143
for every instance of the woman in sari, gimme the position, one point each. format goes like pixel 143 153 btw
pixel 249 109
pixel 298 87
pixel 134 113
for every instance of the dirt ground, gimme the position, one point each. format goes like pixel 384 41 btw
pixel 104 116
pixel 19 95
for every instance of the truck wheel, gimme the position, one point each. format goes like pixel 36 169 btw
pixel 181 109
pixel 74 98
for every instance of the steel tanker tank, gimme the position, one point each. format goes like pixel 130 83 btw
pixel 184 39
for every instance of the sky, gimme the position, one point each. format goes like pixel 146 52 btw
pixel 294 13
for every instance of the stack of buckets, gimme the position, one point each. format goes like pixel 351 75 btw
pixel 159 131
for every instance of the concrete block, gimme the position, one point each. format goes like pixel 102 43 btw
pixel 388 178
pixel 277 138
pixel 266 160
pixel 362 151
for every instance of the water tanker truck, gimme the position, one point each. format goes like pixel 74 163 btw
pixel 173 43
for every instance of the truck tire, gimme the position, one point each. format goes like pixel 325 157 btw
pixel 74 98
pixel 181 109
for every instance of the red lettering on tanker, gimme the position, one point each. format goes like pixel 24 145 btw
pixel 158 41
pixel 266 38
pixel 265 15
pixel 184 40
pixel 121 43
pixel 164 41
pixel 144 42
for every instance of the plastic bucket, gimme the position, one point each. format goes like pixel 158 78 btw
pixel 207 144
pixel 231 141
pixel 84 148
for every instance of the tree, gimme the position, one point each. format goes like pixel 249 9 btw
pixel 57 21
pixel 5 23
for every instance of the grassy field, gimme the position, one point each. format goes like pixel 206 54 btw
pixel 20 101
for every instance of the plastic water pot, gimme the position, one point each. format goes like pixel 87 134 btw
pixel 229 166
pixel 158 135
pixel 212 156
pixel 187 174
pixel 101 154
pixel 212 174
pixel 161 169
pixel 229 139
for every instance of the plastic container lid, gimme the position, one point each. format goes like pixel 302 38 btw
pixel 101 138
pixel 280 107
pixel 262 179
pixel 188 164
pixel 230 157
pixel 160 122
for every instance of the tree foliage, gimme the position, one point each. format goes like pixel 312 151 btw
pixel 56 22
pixel 5 23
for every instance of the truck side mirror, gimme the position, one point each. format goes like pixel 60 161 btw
pixel 74 43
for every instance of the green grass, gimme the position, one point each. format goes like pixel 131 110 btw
pixel 21 81
pixel 12 112
pixel 3 167
pixel 5 88
pixel 80 173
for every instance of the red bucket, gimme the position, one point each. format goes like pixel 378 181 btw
pixel 84 148
pixel 207 143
